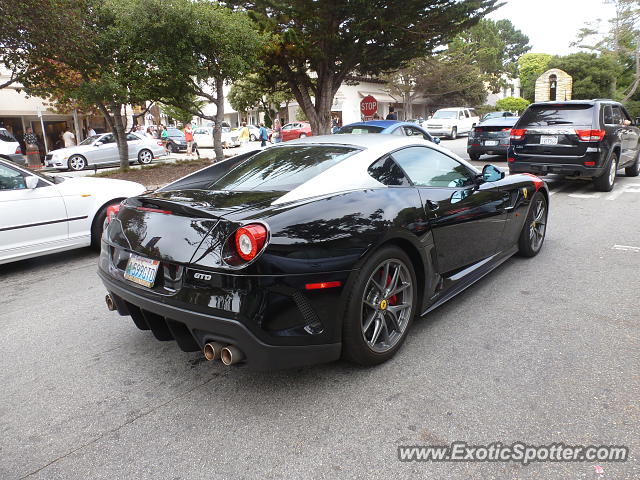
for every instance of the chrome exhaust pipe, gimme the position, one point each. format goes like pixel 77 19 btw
pixel 111 305
pixel 231 355
pixel 212 350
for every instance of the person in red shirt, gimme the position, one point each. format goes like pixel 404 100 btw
pixel 188 136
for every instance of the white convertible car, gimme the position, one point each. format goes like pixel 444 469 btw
pixel 41 214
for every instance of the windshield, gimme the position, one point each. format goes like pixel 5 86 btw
pixel 545 115
pixel 446 114
pixel 360 129
pixel 282 168
pixel 174 132
pixel 90 140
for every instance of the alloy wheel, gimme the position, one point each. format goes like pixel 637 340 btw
pixel 386 305
pixel 145 157
pixel 612 171
pixel 77 163
pixel 538 225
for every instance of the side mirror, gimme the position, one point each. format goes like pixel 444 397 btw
pixel 436 140
pixel 491 173
pixel 31 182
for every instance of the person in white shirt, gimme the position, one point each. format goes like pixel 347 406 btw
pixel 69 138
pixel 91 132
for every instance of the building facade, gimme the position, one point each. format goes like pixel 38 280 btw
pixel 554 85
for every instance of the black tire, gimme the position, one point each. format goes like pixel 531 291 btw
pixel 454 133
pixel 171 148
pixel 76 163
pixel 606 181
pixel 145 157
pixel 535 227
pixel 252 137
pixel 97 226
pixel 355 344
pixel 474 156
pixel 633 170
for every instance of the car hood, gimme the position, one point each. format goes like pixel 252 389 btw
pixel 99 186
pixel 438 121
pixel 183 226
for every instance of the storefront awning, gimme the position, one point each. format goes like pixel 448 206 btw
pixel 379 96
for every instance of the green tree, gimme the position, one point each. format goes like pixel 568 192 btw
pixel 316 45
pixel 531 66
pixel 594 75
pixel 200 46
pixel 262 91
pixel 493 47
pixel 512 104
pixel 93 63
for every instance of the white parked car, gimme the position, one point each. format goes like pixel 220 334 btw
pixel 42 214
pixel 451 122
pixel 203 136
pixel 102 149
pixel 10 148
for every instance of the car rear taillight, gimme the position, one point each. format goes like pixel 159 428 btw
pixel 159 142
pixel 250 240
pixel 112 212
pixel 590 135
pixel 18 151
pixel 477 129
pixel 590 164
pixel 511 159
pixel 518 133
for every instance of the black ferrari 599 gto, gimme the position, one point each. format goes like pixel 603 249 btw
pixel 314 249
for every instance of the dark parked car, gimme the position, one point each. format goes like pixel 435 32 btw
pixel 491 137
pixel 177 141
pixel 317 248
pixel 388 127
pixel 581 138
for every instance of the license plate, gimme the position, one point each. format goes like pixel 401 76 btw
pixel 491 143
pixel 548 140
pixel 141 270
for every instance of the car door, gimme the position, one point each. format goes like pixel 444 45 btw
pixel 629 137
pixel 31 219
pixel 203 137
pixel 105 151
pixel 134 144
pixel 287 133
pixel 467 216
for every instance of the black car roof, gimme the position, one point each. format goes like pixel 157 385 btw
pixel 574 102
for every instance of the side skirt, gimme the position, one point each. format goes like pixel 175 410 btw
pixel 471 275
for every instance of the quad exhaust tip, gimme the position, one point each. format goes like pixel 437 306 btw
pixel 111 305
pixel 231 355
pixel 212 350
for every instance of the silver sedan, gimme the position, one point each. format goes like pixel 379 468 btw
pixel 102 149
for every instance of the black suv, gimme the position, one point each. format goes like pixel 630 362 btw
pixel 580 138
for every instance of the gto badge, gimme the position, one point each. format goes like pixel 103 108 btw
pixel 201 276
pixel 525 192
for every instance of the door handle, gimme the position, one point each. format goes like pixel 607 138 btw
pixel 431 205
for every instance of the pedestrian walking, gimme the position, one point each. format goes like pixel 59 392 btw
pixel 276 136
pixel 263 135
pixel 68 138
pixel 188 136
pixel 164 136
pixel 244 137
pixel 33 152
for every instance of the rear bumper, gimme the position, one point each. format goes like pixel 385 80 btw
pixel 484 150
pixel 439 132
pixel 563 165
pixel 193 329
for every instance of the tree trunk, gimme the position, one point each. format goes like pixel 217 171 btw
pixel 219 118
pixel 319 114
pixel 119 132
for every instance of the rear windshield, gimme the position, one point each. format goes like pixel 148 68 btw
pixel 282 168
pixel 546 115
pixel 360 129
pixel 446 114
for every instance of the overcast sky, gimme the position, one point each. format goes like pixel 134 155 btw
pixel 552 33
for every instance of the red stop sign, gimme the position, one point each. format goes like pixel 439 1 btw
pixel 368 106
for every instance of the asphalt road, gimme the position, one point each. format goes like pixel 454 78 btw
pixel 542 350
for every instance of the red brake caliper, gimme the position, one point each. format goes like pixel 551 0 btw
pixel 393 300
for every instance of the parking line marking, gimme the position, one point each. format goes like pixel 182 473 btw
pixel 626 248
pixel 561 188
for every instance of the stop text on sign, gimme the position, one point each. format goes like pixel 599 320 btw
pixel 368 105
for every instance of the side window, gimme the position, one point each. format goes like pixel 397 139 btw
pixel 387 172
pixel 430 168
pixel 132 138
pixel 467 114
pixel 460 115
pixel 199 131
pixel 618 116
pixel 108 139
pixel 626 116
pixel 11 179
pixel 398 131
pixel 608 115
